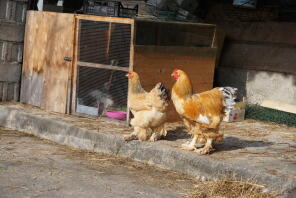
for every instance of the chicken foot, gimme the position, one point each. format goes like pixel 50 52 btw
pixel 158 133
pixel 207 148
pixel 132 136
pixel 190 146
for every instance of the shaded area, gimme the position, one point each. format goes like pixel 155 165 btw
pixel 233 143
pixel 178 133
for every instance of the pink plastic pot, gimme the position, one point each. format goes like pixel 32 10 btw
pixel 118 115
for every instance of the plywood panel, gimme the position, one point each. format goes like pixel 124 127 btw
pixel 155 64
pixel 32 73
pixel 105 18
pixel 259 56
pixel 173 33
pixel 48 39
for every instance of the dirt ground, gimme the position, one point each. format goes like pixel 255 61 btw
pixel 266 147
pixel 34 167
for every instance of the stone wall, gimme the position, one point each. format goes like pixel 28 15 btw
pixel 12 24
pixel 258 55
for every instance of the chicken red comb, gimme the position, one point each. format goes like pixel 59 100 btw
pixel 175 70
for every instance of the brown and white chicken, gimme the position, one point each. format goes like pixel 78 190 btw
pixel 149 110
pixel 201 113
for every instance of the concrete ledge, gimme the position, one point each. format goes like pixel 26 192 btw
pixel 202 167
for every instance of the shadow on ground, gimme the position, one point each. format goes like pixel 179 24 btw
pixel 177 134
pixel 235 143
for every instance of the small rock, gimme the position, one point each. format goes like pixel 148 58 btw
pixel 265 190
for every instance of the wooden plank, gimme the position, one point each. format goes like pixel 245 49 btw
pixel 34 53
pixel 48 39
pixel 267 31
pixel 10 91
pixel 102 66
pixel 75 67
pixel 156 63
pixel 139 20
pixel 10 72
pixel 1 90
pixel 259 56
pixel 11 31
pixel 185 34
pixel 131 66
pixel 279 106
pixel 104 18
pixel 218 42
pixel 109 38
pixel 59 45
pixel 205 52
pixel 16 92
pixel 4 91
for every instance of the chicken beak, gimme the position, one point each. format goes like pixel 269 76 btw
pixel 173 75
pixel 127 75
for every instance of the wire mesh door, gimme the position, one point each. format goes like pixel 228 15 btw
pixel 103 59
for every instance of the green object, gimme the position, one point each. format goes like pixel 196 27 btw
pixel 118 108
pixel 257 112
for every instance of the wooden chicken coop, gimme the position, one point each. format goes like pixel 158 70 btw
pixel 77 63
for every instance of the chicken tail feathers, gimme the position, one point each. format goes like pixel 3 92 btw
pixel 229 96
pixel 163 92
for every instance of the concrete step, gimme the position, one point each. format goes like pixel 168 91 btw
pixel 257 152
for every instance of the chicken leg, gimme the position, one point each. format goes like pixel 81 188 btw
pixel 190 146
pixel 158 133
pixel 132 136
pixel 207 148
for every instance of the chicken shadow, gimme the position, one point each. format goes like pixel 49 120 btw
pixel 233 143
pixel 177 134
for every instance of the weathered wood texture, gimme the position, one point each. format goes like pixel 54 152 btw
pixel 259 56
pixel 12 18
pixel 74 72
pixel 174 34
pixel 253 40
pixel 45 75
pixel 103 18
pixel 156 63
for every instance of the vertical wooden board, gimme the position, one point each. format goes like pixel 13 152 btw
pixel 74 74
pixel 4 91
pixel 16 92
pixel 10 91
pixel 1 92
pixel 48 39
pixel 59 45
pixel 33 59
pixel 155 64
pixel 131 63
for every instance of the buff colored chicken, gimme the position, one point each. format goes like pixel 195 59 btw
pixel 148 108
pixel 201 113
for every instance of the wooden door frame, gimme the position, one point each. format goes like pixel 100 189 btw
pixel 74 75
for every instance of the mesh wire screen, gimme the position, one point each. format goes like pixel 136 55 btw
pixel 100 89
pixel 101 42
